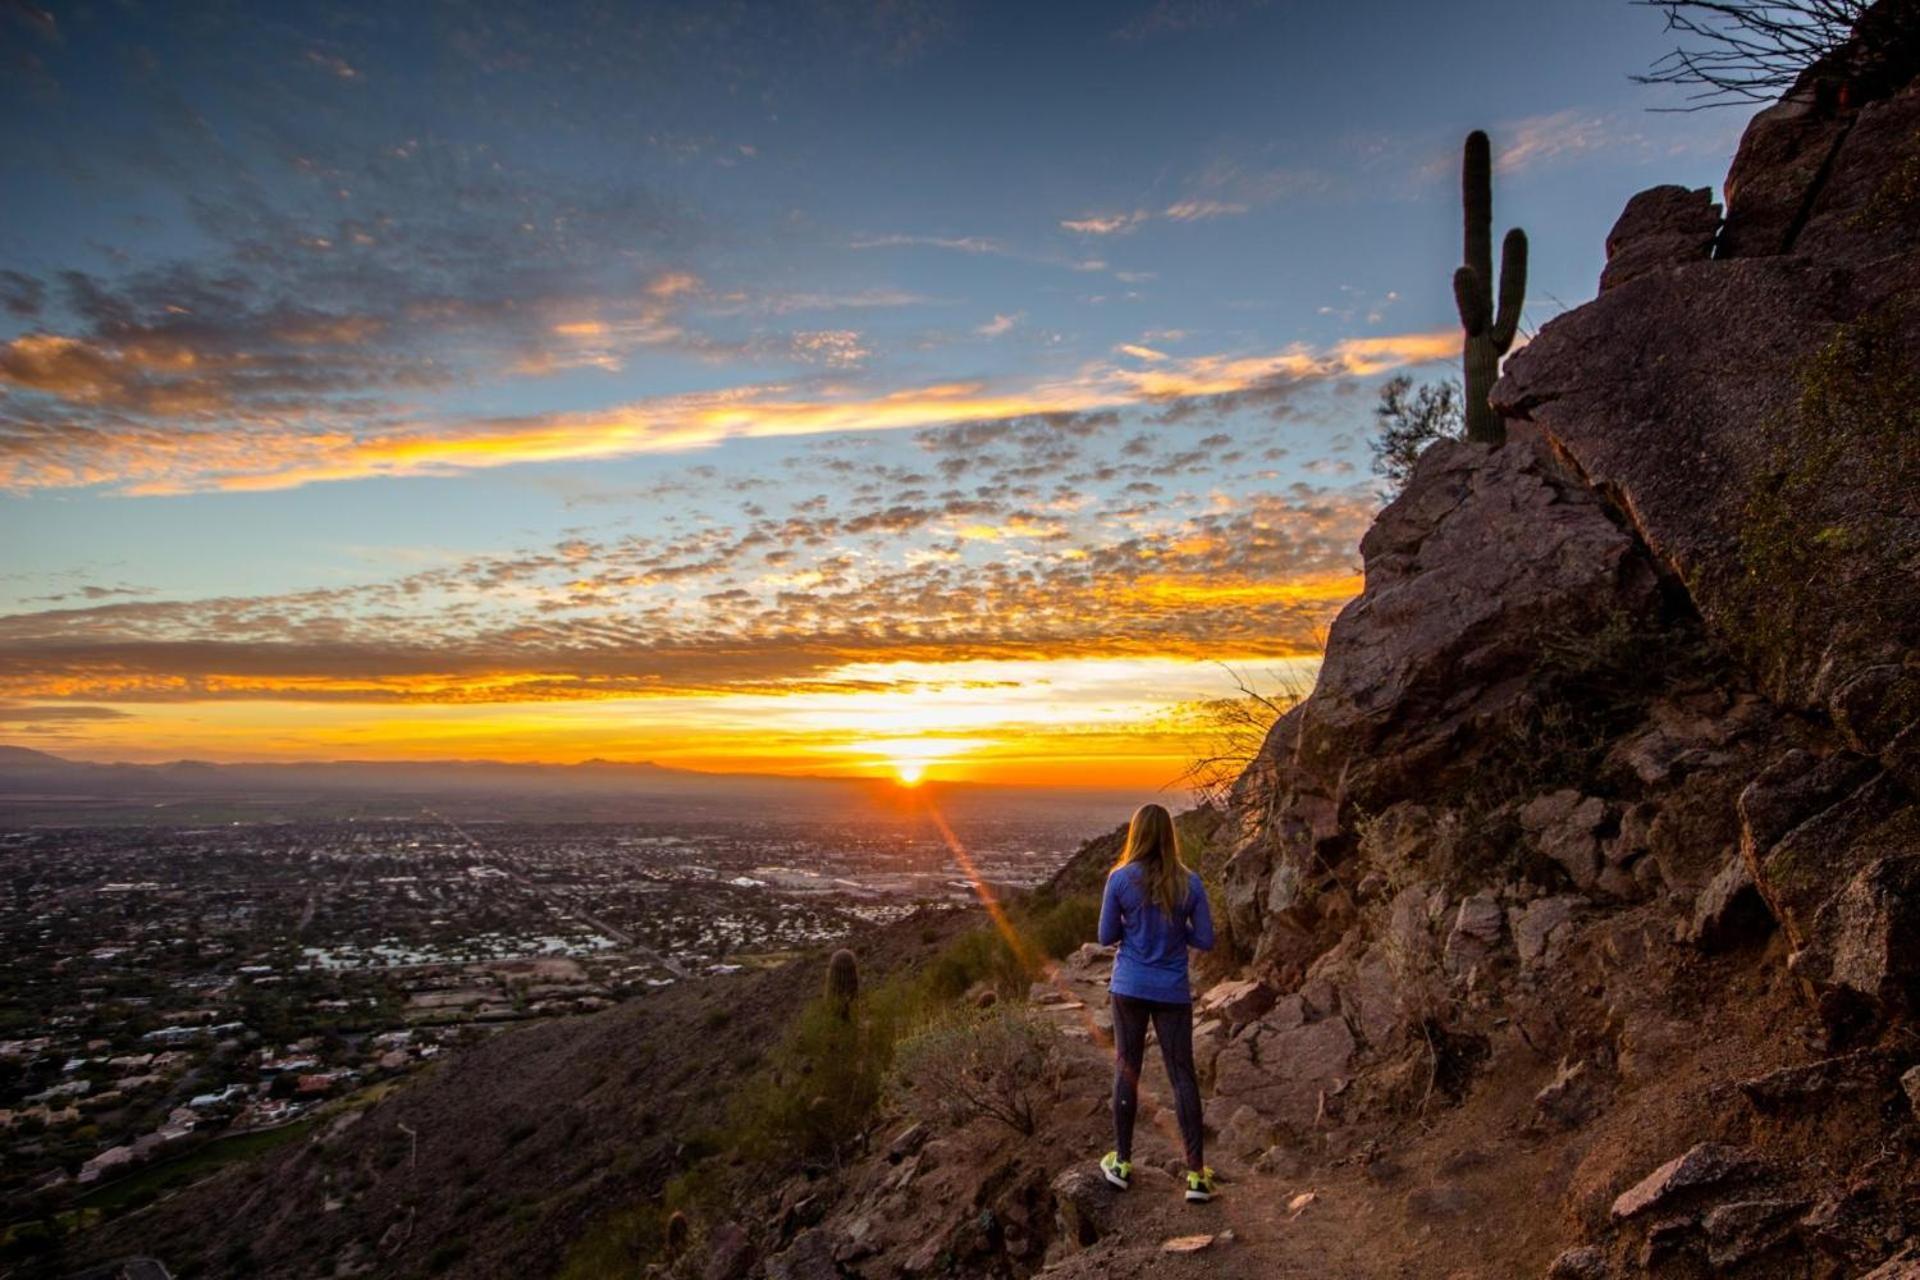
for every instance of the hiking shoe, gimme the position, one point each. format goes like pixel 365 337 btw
pixel 1199 1186
pixel 1119 1172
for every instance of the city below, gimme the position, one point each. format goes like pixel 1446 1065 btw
pixel 182 995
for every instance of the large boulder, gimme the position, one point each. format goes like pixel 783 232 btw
pixel 1487 559
pixel 1756 417
pixel 1833 845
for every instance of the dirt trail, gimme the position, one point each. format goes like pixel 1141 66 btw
pixel 1468 1196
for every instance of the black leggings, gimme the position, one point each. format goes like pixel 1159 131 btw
pixel 1173 1024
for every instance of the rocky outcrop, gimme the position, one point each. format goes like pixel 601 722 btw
pixel 1660 227
pixel 1489 559
pixel 1753 416
pixel 1635 697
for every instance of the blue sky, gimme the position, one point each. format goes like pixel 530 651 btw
pixel 639 379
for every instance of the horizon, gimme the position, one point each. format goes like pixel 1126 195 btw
pixel 886 780
pixel 923 393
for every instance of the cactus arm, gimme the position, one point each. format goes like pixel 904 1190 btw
pixel 1513 288
pixel 1470 296
pixel 1476 199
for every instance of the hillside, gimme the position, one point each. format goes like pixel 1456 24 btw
pixel 1572 917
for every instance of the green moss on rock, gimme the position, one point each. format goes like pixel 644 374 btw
pixel 1829 516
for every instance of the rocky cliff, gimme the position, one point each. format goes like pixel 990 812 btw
pixel 1624 722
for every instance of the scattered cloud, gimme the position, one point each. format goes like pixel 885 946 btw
pixel 1000 325
pixel 19 714
pixel 269 453
pixel 1106 224
pixel 775 605
pixel 780 304
pixel 1356 307
pixel 337 67
pixel 835 348
pixel 1221 189
pixel 958 244
pixel 1201 210
pixel 1537 140
pixel 21 294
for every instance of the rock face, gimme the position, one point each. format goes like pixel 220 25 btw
pixel 1720 454
pixel 1488 557
pixel 1632 704
pixel 1286 1073
pixel 1753 416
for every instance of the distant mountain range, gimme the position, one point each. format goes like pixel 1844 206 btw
pixel 38 786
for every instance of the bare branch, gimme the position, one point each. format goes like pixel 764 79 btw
pixel 1235 729
pixel 1746 51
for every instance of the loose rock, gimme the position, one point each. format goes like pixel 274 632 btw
pixel 1707 1164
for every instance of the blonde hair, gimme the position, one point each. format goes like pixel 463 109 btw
pixel 1154 843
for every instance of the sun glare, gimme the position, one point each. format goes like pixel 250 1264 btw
pixel 909 772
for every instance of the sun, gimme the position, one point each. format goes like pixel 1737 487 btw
pixel 909 772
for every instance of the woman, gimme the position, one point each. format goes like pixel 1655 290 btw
pixel 1155 908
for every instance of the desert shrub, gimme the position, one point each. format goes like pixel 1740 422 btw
pixel 1408 419
pixel 983 955
pixel 1064 926
pixel 625 1241
pixel 999 1062
pixel 824 1080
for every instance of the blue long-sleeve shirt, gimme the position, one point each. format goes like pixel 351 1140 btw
pixel 1152 964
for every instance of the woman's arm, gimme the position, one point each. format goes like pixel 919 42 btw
pixel 1200 920
pixel 1109 931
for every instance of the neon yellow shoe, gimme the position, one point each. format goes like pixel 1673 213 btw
pixel 1199 1186
pixel 1119 1172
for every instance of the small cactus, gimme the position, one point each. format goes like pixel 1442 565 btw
pixel 1489 331
pixel 843 978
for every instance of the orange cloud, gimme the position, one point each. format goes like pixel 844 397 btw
pixel 269 455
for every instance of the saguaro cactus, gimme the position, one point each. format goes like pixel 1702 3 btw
pixel 1489 332
pixel 843 978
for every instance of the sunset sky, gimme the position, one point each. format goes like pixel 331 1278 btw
pixel 807 386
